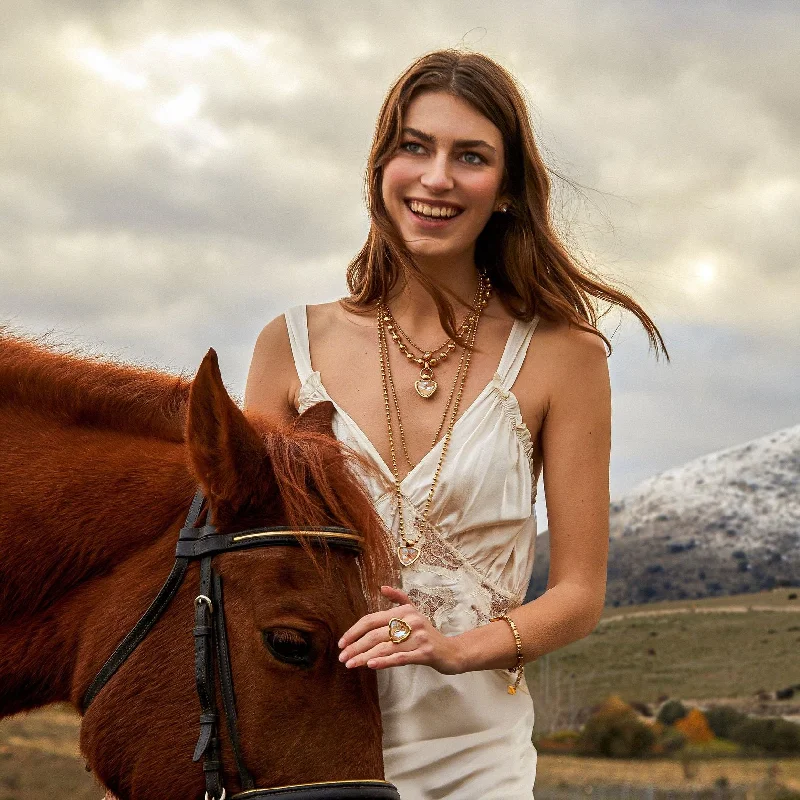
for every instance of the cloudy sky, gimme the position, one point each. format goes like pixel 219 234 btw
pixel 175 174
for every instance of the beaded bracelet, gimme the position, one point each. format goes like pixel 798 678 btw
pixel 512 688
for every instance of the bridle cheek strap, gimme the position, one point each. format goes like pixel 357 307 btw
pixel 208 745
pixel 226 680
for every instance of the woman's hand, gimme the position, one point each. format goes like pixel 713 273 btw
pixel 367 642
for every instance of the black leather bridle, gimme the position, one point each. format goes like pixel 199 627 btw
pixel 210 636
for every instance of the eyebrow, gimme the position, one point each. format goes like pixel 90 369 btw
pixel 427 137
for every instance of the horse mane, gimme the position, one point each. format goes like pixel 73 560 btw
pixel 310 468
pixel 315 476
pixel 73 388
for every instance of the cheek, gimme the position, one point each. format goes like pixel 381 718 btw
pixel 483 187
pixel 397 174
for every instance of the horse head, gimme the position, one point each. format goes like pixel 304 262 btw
pixel 302 717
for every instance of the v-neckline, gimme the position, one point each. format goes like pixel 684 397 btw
pixel 375 453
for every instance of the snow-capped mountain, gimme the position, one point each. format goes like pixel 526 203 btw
pixel 725 523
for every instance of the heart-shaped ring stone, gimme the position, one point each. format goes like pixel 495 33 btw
pixel 399 630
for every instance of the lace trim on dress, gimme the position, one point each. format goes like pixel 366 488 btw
pixel 441 558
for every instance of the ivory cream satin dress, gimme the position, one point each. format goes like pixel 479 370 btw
pixel 456 737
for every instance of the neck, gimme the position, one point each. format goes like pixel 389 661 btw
pixel 409 301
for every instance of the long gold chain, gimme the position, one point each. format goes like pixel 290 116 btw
pixel 407 552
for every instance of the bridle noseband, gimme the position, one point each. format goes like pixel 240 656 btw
pixel 210 637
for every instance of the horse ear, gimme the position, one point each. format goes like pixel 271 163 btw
pixel 226 452
pixel 317 418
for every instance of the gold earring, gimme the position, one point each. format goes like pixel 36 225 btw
pixel 504 208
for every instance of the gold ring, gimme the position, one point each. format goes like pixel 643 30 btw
pixel 399 630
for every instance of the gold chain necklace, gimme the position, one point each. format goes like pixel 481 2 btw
pixel 449 344
pixel 426 385
pixel 409 550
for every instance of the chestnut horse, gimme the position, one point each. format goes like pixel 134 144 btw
pixel 100 462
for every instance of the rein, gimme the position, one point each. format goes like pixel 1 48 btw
pixel 210 637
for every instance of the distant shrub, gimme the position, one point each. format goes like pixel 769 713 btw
pixel 723 719
pixel 563 741
pixel 695 727
pixel 616 730
pixel 715 747
pixel 671 712
pixel 669 740
pixel 772 735
pixel 647 592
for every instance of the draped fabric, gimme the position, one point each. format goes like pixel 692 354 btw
pixel 456 737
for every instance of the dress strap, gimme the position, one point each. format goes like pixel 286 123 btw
pixel 297 325
pixel 515 351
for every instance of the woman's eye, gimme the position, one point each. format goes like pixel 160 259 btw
pixel 290 646
pixel 479 157
pixel 410 144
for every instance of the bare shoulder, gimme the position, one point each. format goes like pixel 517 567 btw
pixel 324 315
pixel 570 359
pixel 567 340
pixel 272 380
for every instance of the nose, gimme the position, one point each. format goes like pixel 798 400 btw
pixel 437 176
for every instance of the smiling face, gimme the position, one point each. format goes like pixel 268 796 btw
pixel 450 160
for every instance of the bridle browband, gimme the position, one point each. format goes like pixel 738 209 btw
pixel 210 637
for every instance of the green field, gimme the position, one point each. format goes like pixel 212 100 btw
pixel 723 648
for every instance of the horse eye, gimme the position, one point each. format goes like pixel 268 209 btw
pixel 290 646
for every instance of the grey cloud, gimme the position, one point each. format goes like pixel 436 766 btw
pixel 155 240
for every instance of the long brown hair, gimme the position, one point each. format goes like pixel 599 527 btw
pixel 520 251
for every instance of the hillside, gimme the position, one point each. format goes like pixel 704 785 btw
pixel 725 523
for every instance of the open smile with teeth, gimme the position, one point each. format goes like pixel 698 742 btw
pixel 432 212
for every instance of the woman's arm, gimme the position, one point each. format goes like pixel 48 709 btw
pixel 576 448
pixel 272 381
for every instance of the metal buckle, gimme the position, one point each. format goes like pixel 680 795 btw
pixel 203 598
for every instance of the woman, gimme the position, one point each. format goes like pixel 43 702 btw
pixel 461 250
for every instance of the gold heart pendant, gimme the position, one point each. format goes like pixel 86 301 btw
pixel 426 387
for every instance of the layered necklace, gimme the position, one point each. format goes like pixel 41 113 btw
pixel 410 547
pixel 428 359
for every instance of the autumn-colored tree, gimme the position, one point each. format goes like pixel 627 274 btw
pixel 695 727
pixel 615 729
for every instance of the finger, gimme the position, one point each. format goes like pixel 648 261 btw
pixel 366 623
pixel 396 595
pixel 365 643
pixel 395 659
pixel 376 620
pixel 381 650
